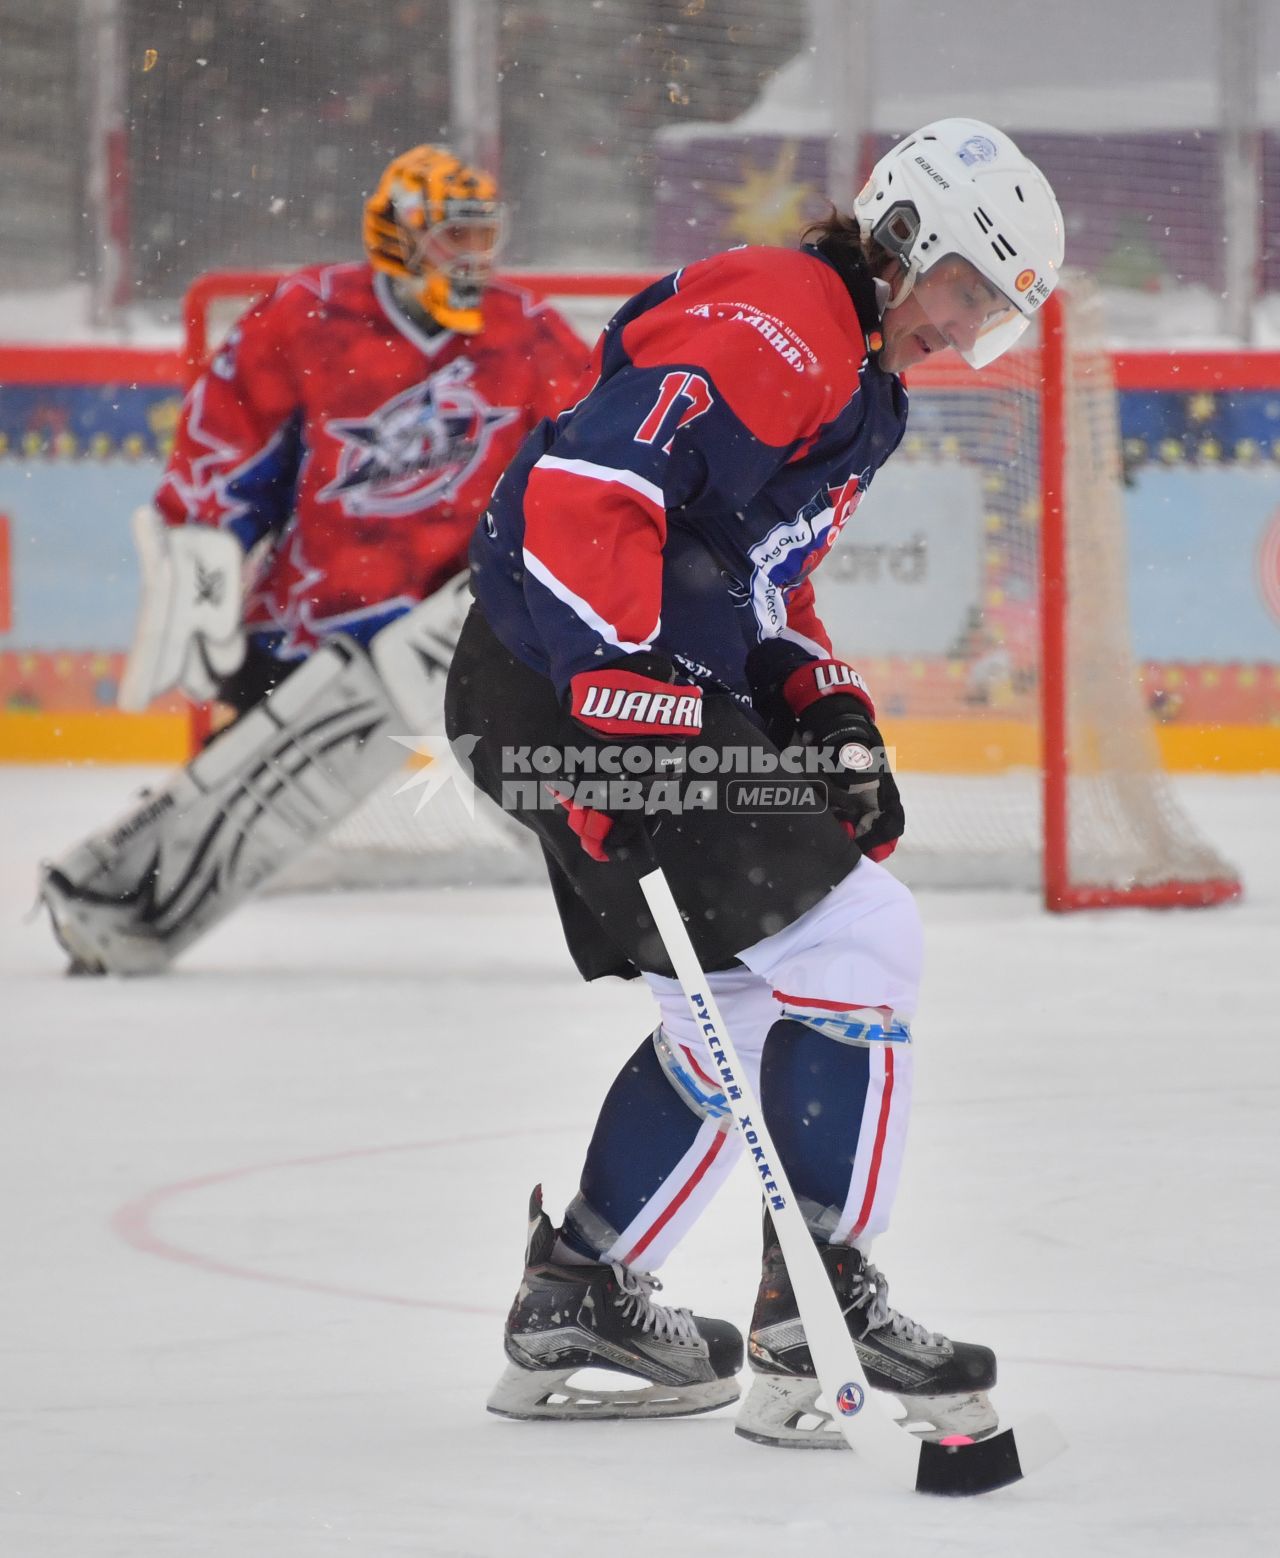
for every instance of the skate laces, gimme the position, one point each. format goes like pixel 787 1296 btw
pixel 636 1302
pixel 879 1314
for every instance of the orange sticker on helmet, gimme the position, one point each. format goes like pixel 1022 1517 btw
pixel 1024 280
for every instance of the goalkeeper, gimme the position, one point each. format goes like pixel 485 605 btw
pixel 328 471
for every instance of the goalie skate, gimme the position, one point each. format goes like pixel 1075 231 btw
pixel 567 1318
pixel 941 1384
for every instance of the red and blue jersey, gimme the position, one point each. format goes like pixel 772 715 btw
pixel 734 418
pixel 359 447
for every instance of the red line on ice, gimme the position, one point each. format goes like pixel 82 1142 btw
pixel 133 1222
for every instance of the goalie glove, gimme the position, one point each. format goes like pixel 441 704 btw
pixel 635 700
pixel 825 705
pixel 189 633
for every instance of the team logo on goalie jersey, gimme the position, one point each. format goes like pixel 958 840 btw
pixel 416 449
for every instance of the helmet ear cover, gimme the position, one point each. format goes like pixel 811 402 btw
pixel 897 229
pixel 896 232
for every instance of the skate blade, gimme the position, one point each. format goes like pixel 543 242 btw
pixel 784 1412
pixel 94 945
pixel 938 1417
pixel 83 956
pixel 531 1395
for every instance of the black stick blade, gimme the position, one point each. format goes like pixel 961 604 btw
pixel 958 1470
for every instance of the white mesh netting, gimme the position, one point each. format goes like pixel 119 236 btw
pixel 964 693
pixel 1126 828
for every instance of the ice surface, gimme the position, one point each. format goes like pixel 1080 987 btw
pixel 261 1220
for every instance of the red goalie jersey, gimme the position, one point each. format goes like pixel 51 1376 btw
pixel 360 447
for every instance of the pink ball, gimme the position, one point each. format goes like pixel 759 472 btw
pixel 953 1439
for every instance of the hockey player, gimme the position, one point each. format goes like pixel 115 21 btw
pixel 643 592
pixel 325 479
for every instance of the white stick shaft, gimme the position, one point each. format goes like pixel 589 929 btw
pixel 868 1429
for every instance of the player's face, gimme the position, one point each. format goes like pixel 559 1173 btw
pixel 950 306
pixel 466 243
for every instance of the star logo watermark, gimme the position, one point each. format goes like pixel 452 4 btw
pixel 444 764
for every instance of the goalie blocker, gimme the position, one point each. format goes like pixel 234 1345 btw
pixel 129 899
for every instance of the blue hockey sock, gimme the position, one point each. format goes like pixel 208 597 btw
pixel 813 1091
pixel 644 1129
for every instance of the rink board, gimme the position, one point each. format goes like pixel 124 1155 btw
pixel 84 432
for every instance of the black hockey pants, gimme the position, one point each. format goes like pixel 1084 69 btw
pixel 737 876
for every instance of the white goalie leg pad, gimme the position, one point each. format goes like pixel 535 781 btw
pixel 414 652
pixel 413 655
pixel 188 632
pixel 130 898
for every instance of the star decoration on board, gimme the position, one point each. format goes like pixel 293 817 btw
pixel 769 205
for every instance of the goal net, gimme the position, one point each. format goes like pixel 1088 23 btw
pixel 986 600
pixel 981 590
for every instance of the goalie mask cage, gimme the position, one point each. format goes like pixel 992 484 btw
pixel 1028 755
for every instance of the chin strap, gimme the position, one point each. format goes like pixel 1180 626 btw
pixel 911 276
pixel 408 300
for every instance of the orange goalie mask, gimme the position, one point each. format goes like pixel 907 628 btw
pixel 436 221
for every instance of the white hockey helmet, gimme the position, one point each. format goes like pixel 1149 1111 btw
pixel 960 190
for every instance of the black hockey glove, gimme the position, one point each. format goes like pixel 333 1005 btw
pixel 632 701
pixel 824 705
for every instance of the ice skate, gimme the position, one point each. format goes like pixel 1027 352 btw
pixel 96 931
pixel 567 1318
pixel 942 1384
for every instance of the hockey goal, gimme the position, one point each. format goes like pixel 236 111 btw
pixel 982 589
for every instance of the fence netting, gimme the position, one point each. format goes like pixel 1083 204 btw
pixel 628 133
